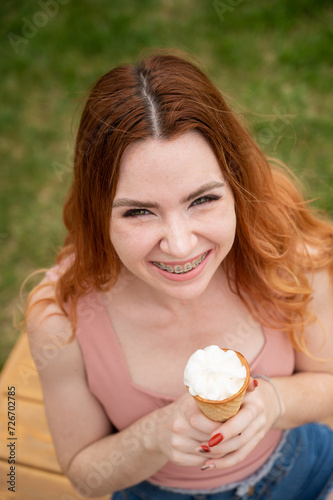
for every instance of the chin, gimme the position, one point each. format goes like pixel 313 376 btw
pixel 188 291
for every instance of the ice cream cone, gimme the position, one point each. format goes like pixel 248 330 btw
pixel 220 411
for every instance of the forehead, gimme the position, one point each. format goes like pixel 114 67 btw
pixel 188 158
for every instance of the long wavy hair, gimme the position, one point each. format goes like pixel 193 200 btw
pixel 279 239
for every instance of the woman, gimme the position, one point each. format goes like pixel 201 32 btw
pixel 181 235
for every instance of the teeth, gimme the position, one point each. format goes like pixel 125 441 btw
pixel 178 269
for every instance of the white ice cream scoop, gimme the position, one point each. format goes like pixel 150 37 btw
pixel 217 379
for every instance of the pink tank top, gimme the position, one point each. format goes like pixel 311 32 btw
pixel 124 402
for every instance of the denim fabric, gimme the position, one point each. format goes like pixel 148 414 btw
pixel 303 471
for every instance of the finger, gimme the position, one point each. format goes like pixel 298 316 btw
pixel 253 383
pixel 188 460
pixel 186 445
pixel 193 426
pixel 182 427
pixel 203 426
pixel 239 441
pixel 185 451
pixel 234 426
pixel 233 458
pixel 198 436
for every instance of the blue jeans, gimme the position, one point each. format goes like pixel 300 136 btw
pixel 303 471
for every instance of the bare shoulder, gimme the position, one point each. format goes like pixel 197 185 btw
pixel 75 416
pixel 319 335
pixel 50 333
pixel 46 323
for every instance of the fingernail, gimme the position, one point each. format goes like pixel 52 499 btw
pixel 216 439
pixel 204 448
pixel 206 467
pixel 256 383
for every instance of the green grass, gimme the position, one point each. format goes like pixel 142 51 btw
pixel 272 58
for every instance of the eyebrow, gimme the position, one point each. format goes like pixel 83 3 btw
pixel 128 202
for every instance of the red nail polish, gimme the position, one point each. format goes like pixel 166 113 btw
pixel 205 448
pixel 256 383
pixel 216 439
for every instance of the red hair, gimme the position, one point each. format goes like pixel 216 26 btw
pixel 279 238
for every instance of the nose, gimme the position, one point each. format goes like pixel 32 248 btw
pixel 179 238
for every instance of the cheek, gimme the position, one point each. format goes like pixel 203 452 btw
pixel 222 228
pixel 130 243
pixel 120 239
pixel 231 228
pixel 227 237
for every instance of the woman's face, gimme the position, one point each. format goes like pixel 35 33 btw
pixel 173 218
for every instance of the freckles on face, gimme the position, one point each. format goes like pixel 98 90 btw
pixel 172 205
pixel 132 240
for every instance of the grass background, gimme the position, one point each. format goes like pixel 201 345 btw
pixel 273 58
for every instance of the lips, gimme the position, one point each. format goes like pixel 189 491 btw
pixel 181 269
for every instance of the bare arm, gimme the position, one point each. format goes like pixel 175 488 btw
pixel 306 396
pixel 97 459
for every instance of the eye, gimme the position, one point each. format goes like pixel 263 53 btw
pixel 205 199
pixel 136 212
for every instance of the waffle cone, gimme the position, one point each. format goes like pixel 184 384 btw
pixel 220 411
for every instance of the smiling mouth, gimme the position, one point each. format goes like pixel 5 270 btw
pixel 178 269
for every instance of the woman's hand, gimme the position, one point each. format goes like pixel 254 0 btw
pixel 181 428
pixel 238 436
pixel 184 433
